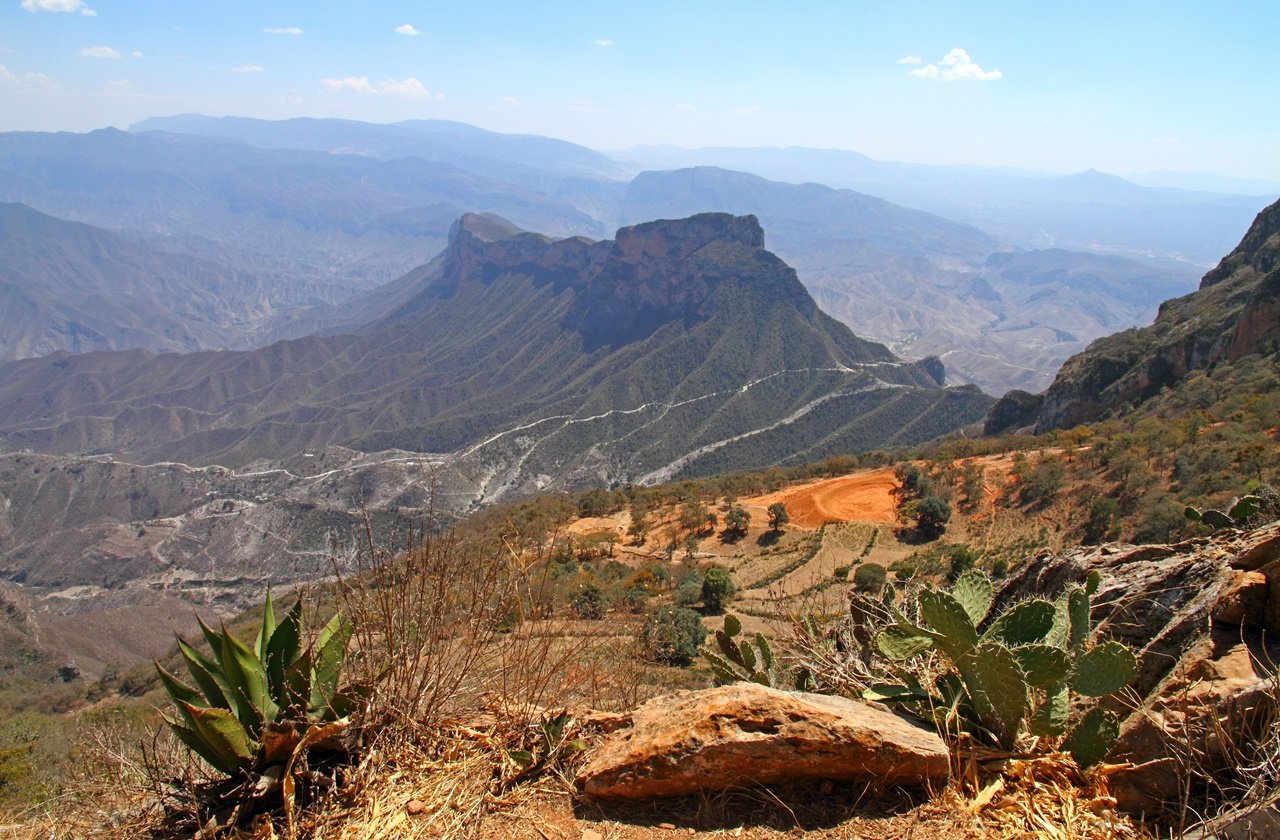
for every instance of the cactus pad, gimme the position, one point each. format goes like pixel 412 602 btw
pixel 973 590
pixel 898 643
pixel 1107 668
pixel 1022 624
pixel 1044 665
pixel 948 619
pixel 1093 737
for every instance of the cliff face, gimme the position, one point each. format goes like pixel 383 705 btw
pixel 1235 313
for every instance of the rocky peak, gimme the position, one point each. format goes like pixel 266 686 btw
pixel 1260 249
pixel 668 239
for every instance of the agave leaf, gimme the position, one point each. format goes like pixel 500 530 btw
pixel 329 658
pixel 209 677
pixel 215 759
pixel 264 632
pixel 282 651
pixel 279 742
pixel 177 689
pixel 245 675
pixel 222 733
pixel 973 590
pixel 297 685
pixel 349 700
pixel 214 639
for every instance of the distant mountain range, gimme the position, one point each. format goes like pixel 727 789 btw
pixel 316 216
pixel 1088 211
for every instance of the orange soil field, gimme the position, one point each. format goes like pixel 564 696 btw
pixel 862 497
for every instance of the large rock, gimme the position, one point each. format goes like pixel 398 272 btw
pixel 1204 616
pixel 747 733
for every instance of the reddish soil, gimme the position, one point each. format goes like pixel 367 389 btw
pixel 861 497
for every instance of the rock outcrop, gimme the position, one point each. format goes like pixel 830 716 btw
pixel 1204 616
pixel 747 733
pixel 1235 313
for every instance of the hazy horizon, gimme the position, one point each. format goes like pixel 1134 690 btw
pixel 1146 87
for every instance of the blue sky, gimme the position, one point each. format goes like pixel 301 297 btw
pixel 1120 86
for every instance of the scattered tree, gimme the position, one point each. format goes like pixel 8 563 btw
pixel 778 516
pixel 717 589
pixel 672 635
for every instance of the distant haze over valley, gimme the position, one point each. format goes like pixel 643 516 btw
pixel 306 224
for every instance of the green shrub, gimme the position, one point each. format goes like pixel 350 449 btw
pixel 588 602
pixel 717 588
pixel 870 577
pixel 841 572
pixel 672 635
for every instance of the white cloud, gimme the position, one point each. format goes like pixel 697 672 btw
pixel 119 86
pixel 603 42
pixel 31 82
pixel 749 111
pixel 34 6
pixel 247 68
pixel 409 88
pixel 136 54
pixel 407 29
pixel 282 30
pixel 100 52
pixel 510 102
pixel 910 59
pixel 955 65
pixel 685 106
pixel 360 84
pixel 290 99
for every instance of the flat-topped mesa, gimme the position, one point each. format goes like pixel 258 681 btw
pixel 680 270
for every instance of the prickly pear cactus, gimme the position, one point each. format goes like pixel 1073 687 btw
pixel 1013 677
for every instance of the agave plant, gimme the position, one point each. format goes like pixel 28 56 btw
pixel 253 710
pixel 1018 672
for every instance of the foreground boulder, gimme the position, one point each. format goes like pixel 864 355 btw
pixel 746 733
pixel 1204 618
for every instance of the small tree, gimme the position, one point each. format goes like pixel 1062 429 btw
pixel 672 635
pixel 588 602
pixel 931 516
pixel 778 516
pixel 717 589
pixel 736 522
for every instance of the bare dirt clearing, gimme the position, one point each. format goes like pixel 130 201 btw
pixel 861 497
